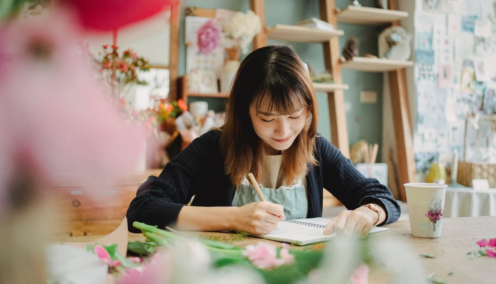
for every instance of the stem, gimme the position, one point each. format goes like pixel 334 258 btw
pixel 151 229
pixel 160 241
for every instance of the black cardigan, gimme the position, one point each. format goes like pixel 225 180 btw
pixel 199 170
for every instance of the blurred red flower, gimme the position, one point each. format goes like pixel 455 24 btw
pixel 108 15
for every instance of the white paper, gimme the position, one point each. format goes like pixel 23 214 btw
pixel 454 28
pixel 464 45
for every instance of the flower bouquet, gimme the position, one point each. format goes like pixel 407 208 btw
pixel 176 257
pixel 239 31
pixel 121 70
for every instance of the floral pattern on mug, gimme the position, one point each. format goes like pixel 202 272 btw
pixel 436 211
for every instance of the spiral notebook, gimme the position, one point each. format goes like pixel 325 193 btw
pixel 304 231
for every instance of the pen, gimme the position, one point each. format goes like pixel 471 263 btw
pixel 191 201
pixel 254 183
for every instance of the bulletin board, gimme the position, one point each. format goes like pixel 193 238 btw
pixel 455 74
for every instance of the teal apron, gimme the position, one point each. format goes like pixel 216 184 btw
pixel 293 199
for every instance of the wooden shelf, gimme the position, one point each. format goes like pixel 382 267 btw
pixel 375 64
pixel 185 95
pixel 218 95
pixel 369 16
pixel 329 87
pixel 301 34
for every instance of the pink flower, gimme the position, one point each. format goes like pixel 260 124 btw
pixel 285 255
pixel 482 243
pixel 209 36
pixel 361 275
pixel 57 124
pixel 153 271
pixel 490 253
pixel 435 214
pixel 264 256
pixel 103 254
pixel 492 243
pixel 135 259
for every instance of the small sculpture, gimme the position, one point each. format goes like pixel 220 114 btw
pixel 350 49
pixel 394 43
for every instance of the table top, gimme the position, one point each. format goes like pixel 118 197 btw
pixel 459 236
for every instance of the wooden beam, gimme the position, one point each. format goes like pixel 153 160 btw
pixel 402 129
pixel 403 132
pixel 337 115
pixel 174 50
pixel 260 40
pixel 199 12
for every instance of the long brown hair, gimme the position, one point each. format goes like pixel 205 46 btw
pixel 273 74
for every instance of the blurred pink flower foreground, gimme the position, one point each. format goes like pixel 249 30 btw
pixel 55 120
pixel 264 256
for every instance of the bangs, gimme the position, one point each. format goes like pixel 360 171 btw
pixel 281 99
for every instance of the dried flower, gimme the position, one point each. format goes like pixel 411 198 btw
pixel 242 28
pixel 209 36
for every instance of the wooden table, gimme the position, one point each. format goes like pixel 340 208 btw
pixel 459 236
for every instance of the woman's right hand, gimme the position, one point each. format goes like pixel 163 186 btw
pixel 259 218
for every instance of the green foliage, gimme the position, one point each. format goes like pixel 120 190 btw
pixel 224 254
pixel 141 248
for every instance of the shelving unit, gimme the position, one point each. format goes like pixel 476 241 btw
pixel 331 55
pixel 369 16
pixel 329 87
pixel 395 69
pixel 319 87
pixel 375 64
pixel 301 34
pixel 329 41
pixel 397 82
pixel 185 95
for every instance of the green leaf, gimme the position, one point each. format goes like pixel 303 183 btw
pixel 218 244
pixel 141 248
pixel 126 262
pixel 426 255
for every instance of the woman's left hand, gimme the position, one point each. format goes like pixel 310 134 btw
pixel 359 222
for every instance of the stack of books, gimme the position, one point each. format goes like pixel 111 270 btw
pixel 316 24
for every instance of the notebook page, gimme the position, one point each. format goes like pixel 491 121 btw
pixel 325 221
pixel 297 234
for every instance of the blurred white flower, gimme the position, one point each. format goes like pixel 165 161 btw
pixel 242 28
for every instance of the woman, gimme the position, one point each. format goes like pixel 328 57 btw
pixel 270 131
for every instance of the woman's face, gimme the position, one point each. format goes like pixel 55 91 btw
pixel 277 131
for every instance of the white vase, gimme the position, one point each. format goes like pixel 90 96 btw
pixel 227 75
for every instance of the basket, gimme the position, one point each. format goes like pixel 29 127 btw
pixel 467 171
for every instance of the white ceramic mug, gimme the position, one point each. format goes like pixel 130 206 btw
pixel 426 208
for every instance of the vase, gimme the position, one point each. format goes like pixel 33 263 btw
pixel 227 75
pixel 232 53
